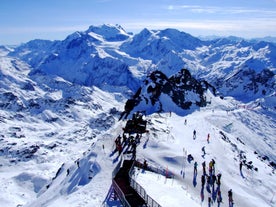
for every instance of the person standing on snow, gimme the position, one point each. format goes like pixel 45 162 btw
pixel 210 168
pixel 218 179
pixel 204 168
pixel 230 198
pixel 240 166
pixel 203 181
pixel 195 168
pixel 209 201
pixel 208 138
pixel 213 166
pixel 194 134
pixel 203 150
pixel 219 198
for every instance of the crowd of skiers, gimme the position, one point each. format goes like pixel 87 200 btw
pixel 213 183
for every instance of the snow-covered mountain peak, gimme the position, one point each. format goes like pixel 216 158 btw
pixel 109 46
pixel 109 32
pixel 182 39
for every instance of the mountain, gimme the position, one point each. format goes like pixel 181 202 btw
pixel 99 54
pixel 178 93
pixel 61 104
pixel 163 47
pixel 266 39
pixel 84 54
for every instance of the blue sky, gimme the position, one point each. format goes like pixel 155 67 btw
pixel 24 20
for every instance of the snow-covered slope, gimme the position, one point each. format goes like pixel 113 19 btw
pixel 85 177
pixel 46 121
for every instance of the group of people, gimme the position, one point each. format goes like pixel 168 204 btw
pixel 211 179
pixel 130 142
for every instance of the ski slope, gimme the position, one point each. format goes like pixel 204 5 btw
pixel 89 177
pixel 250 187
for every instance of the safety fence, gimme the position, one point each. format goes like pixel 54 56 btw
pixel 116 187
pixel 140 190
pixel 120 194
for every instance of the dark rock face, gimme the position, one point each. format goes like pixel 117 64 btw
pixel 181 88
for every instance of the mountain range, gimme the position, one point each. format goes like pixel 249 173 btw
pixel 97 55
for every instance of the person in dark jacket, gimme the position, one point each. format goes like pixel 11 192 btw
pixel 195 168
pixel 203 180
pixel 230 198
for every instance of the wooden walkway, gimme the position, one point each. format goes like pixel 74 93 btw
pixel 122 181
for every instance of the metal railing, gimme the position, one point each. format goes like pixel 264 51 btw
pixel 116 187
pixel 120 194
pixel 140 190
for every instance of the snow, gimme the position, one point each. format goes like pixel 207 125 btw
pixel 167 151
pixel 57 137
pixel 24 183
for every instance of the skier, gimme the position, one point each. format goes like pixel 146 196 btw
pixel 213 166
pixel 204 168
pixel 218 179
pixel 219 198
pixel 194 134
pixel 209 201
pixel 203 150
pixel 195 168
pixel 210 167
pixel 208 138
pixel 202 181
pixel 240 166
pixel 230 198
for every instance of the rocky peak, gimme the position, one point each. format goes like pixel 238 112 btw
pixel 160 92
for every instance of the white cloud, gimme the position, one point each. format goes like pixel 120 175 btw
pixel 223 10
pixel 244 28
